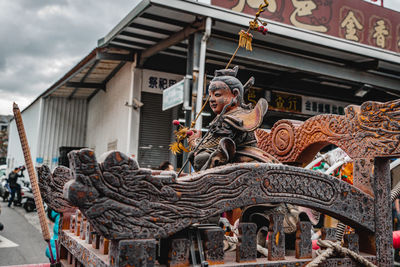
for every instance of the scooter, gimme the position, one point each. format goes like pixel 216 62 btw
pixel 28 201
pixel 4 189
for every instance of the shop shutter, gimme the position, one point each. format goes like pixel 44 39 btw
pixel 155 131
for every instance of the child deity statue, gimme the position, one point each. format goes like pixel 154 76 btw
pixel 231 137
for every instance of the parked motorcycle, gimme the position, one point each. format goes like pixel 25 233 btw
pixel 4 190
pixel 3 180
pixel 28 201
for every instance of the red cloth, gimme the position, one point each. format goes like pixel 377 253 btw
pixel 396 239
pixel 31 265
pixel 314 245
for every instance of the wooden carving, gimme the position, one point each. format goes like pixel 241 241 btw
pixel 366 131
pixel 179 253
pixel 51 187
pixel 276 238
pixel 246 250
pixel 122 201
pixel 303 244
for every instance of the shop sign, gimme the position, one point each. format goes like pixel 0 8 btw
pixel 354 20
pixel 280 101
pixel 253 95
pixel 156 81
pixel 285 102
pixel 173 96
pixel 315 106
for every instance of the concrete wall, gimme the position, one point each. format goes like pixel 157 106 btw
pixel 30 117
pixel 107 124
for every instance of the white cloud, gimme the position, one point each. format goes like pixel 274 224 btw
pixel 42 40
pixel 6 100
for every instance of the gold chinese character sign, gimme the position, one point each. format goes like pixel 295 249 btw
pixel 355 20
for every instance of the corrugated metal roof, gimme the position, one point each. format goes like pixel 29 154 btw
pixel 91 74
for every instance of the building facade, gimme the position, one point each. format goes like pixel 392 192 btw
pixel 4 125
pixel 112 99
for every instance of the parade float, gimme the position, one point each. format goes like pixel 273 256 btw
pixel 115 213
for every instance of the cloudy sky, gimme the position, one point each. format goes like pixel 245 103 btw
pixel 43 39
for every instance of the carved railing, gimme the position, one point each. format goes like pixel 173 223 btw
pixel 134 207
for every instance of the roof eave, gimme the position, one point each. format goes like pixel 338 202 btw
pixel 137 10
pixel 241 19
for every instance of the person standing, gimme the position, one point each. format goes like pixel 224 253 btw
pixel 14 186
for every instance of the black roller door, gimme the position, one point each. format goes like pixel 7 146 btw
pixel 155 131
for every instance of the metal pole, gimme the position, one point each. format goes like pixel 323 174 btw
pixel 188 94
pixel 200 80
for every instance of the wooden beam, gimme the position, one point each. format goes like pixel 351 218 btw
pixel 150 28
pixel 128 42
pixel 172 40
pixel 145 37
pixel 175 22
pixel 140 36
pixel 86 85
pixel 83 78
pixel 114 56
pixel 370 64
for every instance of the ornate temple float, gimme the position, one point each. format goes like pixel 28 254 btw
pixel 118 214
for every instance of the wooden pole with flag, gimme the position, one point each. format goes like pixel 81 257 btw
pixel 32 176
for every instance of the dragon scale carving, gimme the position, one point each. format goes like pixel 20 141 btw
pixel 123 201
pixel 366 131
pixel 51 187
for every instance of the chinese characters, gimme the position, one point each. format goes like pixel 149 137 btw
pixel 285 102
pixel 305 8
pixel 318 107
pixel 380 33
pixel 160 83
pixel 356 21
pixel 255 4
pixel 351 25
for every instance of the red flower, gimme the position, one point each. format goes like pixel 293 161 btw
pixel 175 122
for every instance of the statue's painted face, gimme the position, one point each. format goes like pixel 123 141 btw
pixel 220 95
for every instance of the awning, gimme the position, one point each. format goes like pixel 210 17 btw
pixel 152 20
pixel 162 27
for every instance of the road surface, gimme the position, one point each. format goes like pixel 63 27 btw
pixel 21 241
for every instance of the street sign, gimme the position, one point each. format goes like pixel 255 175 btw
pixel 173 96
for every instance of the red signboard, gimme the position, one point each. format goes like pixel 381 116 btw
pixel 354 20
